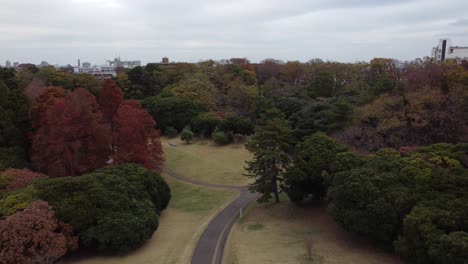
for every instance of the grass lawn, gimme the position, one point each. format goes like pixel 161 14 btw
pixel 207 162
pixel 180 226
pixel 276 233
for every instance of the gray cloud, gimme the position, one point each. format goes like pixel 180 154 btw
pixel 189 30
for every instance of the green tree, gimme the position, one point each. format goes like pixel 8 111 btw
pixel 14 127
pixel 114 208
pixel 172 111
pixel 205 123
pixel 323 85
pixel 236 125
pixel 186 135
pixel 270 146
pixel 313 158
pixel 197 88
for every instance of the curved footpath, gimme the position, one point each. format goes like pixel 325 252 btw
pixel 210 246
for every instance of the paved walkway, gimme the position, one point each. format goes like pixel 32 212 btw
pixel 210 246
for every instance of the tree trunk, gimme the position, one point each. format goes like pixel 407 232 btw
pixel 275 190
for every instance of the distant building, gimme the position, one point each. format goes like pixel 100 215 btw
pixel 101 72
pixel 43 64
pixel 15 64
pixel 445 51
pixel 165 60
pixel 8 64
pixel 124 64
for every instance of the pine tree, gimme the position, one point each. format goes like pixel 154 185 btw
pixel 270 146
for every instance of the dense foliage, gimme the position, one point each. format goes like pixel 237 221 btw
pixel 34 235
pixel 14 122
pixel 414 200
pixel 74 134
pixel 175 112
pixel 311 161
pixel 204 124
pixel 114 208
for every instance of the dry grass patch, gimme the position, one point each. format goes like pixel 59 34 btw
pixel 180 226
pixel 204 161
pixel 279 233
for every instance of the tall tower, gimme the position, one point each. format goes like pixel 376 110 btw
pixel 8 64
pixel 79 63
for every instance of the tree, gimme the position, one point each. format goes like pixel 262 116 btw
pixel 242 99
pixel 135 139
pixel 196 88
pixel 110 98
pixel 42 102
pixel 323 85
pixel 236 125
pixel 270 146
pixel 220 137
pixel 115 208
pixel 172 111
pixel 186 135
pixel 205 123
pixel 313 158
pixel 35 236
pixel 14 127
pixel 73 140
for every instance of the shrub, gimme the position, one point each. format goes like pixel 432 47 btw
pixel 171 132
pixel 114 208
pixel 19 178
pixel 17 200
pixel 221 138
pixel 186 135
pixel 205 123
pixel 434 232
pixel 35 236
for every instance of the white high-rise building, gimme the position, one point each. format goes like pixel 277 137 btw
pixel 445 51
pixel 8 64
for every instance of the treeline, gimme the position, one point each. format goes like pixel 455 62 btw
pixel 384 103
pixel 368 106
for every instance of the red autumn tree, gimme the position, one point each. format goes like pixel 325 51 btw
pixel 34 235
pixel 73 141
pixel 136 140
pixel 110 98
pixel 20 178
pixel 46 99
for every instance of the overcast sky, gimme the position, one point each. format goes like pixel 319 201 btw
pixel 61 31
